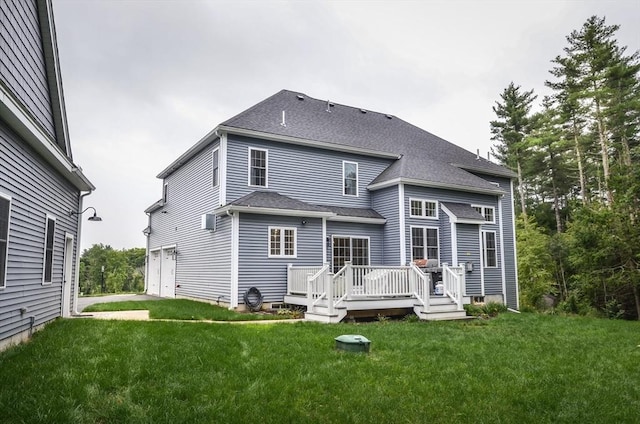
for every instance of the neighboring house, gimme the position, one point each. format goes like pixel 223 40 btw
pixel 41 189
pixel 296 187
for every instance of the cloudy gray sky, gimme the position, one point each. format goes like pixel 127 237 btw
pixel 145 80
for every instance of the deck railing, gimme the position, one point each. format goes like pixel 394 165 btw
pixel 297 278
pixel 357 282
pixel 453 279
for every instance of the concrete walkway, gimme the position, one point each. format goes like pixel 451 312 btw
pixel 83 302
pixel 144 316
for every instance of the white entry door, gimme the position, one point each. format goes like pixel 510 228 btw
pixel 153 282
pixel 168 273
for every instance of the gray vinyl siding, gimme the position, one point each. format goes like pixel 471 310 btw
pixel 385 202
pixel 269 275
pixel 203 262
pixel 446 253
pixel 468 237
pixel 22 67
pixel 440 195
pixel 509 245
pixel 304 173
pixel 374 232
pixel 36 190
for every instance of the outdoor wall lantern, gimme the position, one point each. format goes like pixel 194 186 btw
pixel 95 216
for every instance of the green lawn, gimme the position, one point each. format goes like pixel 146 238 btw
pixel 182 309
pixel 512 369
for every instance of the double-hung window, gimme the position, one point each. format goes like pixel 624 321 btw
pixel 422 208
pixel 349 178
pixel 488 212
pixel 215 167
pixel 489 250
pixel 49 238
pixel 5 210
pixel 424 243
pixel 282 242
pixel 258 161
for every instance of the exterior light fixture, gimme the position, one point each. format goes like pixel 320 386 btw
pixel 95 216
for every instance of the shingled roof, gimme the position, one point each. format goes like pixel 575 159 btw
pixel 423 156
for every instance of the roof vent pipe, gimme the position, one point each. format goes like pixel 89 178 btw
pixel 328 106
pixel 489 156
pixel 477 151
pixel 284 121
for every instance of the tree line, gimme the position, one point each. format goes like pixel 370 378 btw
pixel 578 179
pixel 106 270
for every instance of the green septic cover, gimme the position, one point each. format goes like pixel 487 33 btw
pixel 352 339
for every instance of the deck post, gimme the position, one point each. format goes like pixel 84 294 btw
pixel 348 275
pixel 309 294
pixel 461 284
pixel 329 288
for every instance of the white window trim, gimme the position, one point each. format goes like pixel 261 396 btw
pixel 424 208
pixel 282 230
pixel 335 236
pixel 344 162
pixel 53 249
pixel 213 153
pixel 422 227
pixel 484 249
pixel 3 278
pixel 266 167
pixel 484 207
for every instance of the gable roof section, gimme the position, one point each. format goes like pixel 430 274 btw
pixel 462 213
pixel 322 121
pixel 56 150
pixel 273 203
pixel 422 158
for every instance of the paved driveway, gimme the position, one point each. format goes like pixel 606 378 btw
pixel 83 302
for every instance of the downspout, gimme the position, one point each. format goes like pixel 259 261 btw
pixel 76 289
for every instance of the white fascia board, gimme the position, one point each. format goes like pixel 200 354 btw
pixel 50 49
pixel 431 184
pixel 191 152
pixel 358 219
pixel 307 142
pixel 273 211
pixel 22 123
pixel 457 220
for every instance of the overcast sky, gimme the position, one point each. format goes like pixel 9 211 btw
pixel 145 80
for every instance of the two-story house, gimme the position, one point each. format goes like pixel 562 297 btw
pixel 41 189
pixel 295 192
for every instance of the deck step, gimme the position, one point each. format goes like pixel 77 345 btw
pixel 444 316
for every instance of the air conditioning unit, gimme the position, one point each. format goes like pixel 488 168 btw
pixel 209 222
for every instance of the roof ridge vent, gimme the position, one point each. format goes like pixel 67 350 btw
pixel 388 116
pixel 363 110
pixel 300 97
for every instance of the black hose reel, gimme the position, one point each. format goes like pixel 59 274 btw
pixel 253 299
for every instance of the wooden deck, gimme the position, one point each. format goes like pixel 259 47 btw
pixel 330 297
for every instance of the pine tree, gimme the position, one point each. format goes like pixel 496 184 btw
pixel 510 131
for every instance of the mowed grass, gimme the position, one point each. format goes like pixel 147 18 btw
pixel 512 369
pixel 180 309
